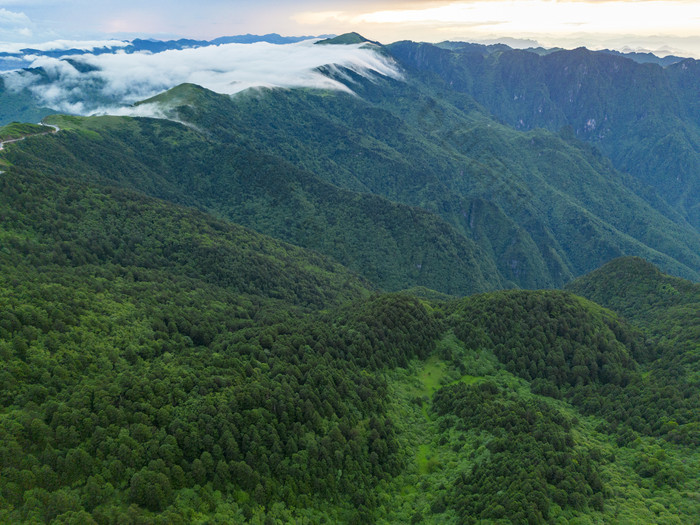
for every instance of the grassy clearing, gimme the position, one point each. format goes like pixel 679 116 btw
pixel 435 456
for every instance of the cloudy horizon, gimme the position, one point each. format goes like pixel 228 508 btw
pixel 113 81
pixel 662 26
pixel 110 83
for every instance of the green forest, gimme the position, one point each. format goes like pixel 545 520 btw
pixel 396 306
pixel 161 365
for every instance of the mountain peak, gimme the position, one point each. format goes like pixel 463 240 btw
pixel 347 39
pixel 186 93
pixel 630 266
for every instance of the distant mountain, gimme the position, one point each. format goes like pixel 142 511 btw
pixel 647 57
pixel 507 208
pixel 17 60
pixel 157 46
pixel 486 49
pixel 642 116
pixel 347 38
pixel 408 142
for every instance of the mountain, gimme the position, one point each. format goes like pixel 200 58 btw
pixel 507 208
pixel 164 364
pixel 639 115
pixel 107 295
pixel 643 57
pixel 532 201
pixel 668 310
pixel 345 39
pixel 666 306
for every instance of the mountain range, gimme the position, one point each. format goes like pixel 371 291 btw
pixel 455 286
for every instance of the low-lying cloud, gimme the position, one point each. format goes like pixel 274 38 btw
pixel 88 84
pixel 62 45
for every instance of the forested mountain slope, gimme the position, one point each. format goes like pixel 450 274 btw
pixel 546 209
pixel 643 116
pixel 120 382
pixel 394 246
pixel 164 366
pixel 667 309
pixel 517 205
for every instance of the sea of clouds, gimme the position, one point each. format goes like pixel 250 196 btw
pixel 90 84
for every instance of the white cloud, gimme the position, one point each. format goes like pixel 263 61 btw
pixel 14 25
pixel 545 16
pixel 120 79
pixel 12 18
pixel 61 45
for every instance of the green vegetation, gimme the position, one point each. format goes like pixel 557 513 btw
pixel 160 365
pixel 17 130
pixel 164 360
pixel 484 144
pixel 594 96
pixel 541 209
pixel 138 340
pixel 394 246
pixel 502 485
pixel 667 310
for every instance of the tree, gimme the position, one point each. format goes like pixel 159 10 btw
pixel 150 490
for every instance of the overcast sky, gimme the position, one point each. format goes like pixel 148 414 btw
pixel 659 25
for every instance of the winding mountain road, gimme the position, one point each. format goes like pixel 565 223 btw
pixel 54 130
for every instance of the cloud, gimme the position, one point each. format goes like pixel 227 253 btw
pixel 62 45
pixel 534 16
pixel 14 25
pixel 12 18
pixel 93 83
pixel 390 20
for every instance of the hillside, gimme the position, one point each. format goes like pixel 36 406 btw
pixel 642 116
pixel 394 246
pixel 163 365
pixel 545 209
pixel 667 309
pixel 480 137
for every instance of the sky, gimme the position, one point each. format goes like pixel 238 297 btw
pixel 663 26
